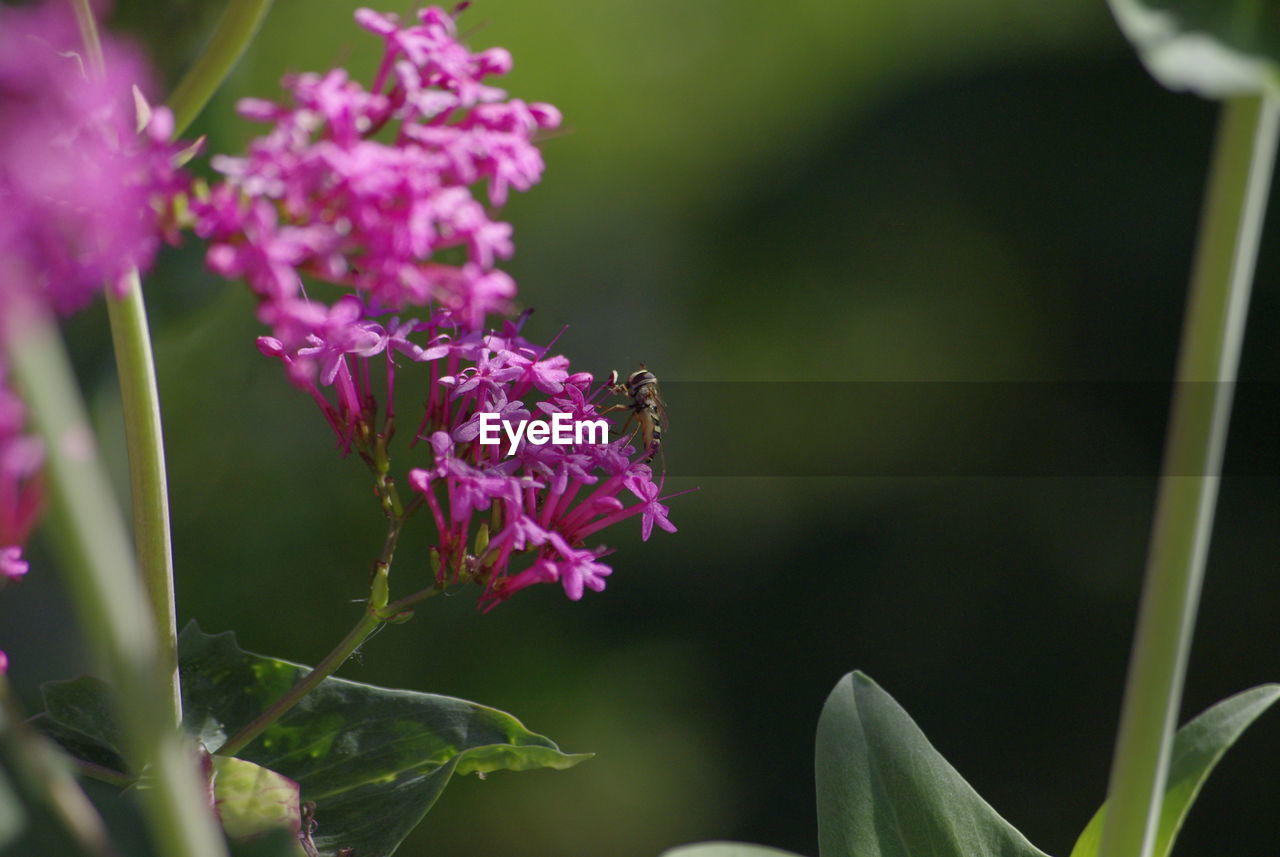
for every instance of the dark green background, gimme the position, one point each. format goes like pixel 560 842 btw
pixel 750 191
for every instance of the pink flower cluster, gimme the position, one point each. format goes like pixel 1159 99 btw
pixel 541 504
pixel 368 188
pixel 20 492
pixel 80 190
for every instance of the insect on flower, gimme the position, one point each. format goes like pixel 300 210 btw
pixel 646 407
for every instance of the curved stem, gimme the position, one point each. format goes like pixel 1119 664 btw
pixel 408 601
pixel 103 580
pixel 369 622
pixel 1210 352
pixel 233 34
pixel 140 398
pixel 375 614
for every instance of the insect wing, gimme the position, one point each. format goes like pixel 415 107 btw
pixel 660 406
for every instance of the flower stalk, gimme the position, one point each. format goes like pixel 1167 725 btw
pixel 371 619
pixel 369 622
pixel 1213 333
pixel 140 399
pixel 235 30
pixel 131 338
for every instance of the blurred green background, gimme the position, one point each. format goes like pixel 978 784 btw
pixel 817 191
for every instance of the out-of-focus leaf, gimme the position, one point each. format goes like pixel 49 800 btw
pixel 78 744
pixel 1216 48
pixel 884 791
pixel 1196 750
pixel 84 705
pixel 726 849
pixel 276 843
pixel 12 816
pixel 372 760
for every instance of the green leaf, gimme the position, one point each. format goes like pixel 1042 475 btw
pixel 1216 48
pixel 78 744
pixel 372 760
pixel 252 800
pixel 276 843
pixel 1196 750
pixel 884 791
pixel 79 716
pixel 726 849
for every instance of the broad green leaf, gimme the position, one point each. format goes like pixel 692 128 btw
pixel 372 760
pixel 252 800
pixel 76 743
pixel 884 791
pixel 1196 750
pixel 86 707
pixel 277 843
pixel 726 849
pixel 1216 48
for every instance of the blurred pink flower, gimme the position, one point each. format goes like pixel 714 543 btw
pixel 21 496
pixel 372 190
pixel 540 504
pixel 79 188
pixel 367 188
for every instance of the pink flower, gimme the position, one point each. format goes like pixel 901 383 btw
pixel 322 195
pixel 82 193
pixel 366 189
pixel 21 496
pixel 503 522
pixel 12 565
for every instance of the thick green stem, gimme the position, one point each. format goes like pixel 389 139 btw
pixel 234 32
pixel 109 597
pixel 1213 332
pixel 141 404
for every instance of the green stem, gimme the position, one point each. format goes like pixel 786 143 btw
pixel 369 622
pixel 88 34
pixel 395 607
pixel 102 773
pixel 140 398
pixel 375 614
pixel 108 595
pixel 233 34
pixel 1210 352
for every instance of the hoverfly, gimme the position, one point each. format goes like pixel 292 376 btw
pixel 646 408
